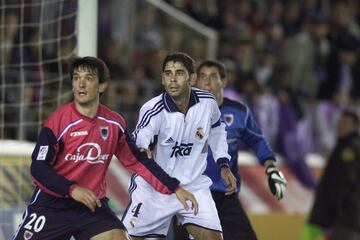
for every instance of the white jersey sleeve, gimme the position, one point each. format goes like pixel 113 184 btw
pixel 148 124
pixel 217 137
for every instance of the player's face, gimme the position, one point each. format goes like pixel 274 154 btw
pixel 176 79
pixel 86 86
pixel 209 79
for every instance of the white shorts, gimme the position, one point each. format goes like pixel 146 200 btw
pixel 149 212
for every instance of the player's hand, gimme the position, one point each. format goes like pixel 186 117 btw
pixel 183 196
pixel 230 180
pixel 86 197
pixel 149 153
pixel 277 181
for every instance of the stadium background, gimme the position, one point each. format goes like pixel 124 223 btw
pixel 282 56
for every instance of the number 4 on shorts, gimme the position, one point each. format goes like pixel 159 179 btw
pixel 136 210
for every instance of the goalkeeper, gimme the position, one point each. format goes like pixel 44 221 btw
pixel 240 126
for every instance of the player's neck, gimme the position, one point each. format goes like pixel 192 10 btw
pixel 182 102
pixel 219 98
pixel 88 110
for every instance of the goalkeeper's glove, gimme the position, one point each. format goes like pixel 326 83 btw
pixel 276 181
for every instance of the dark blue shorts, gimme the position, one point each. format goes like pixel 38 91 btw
pixel 53 218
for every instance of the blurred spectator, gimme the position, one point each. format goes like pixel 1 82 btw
pixel 343 17
pixel 343 76
pixel 326 116
pixel 291 19
pixel 113 56
pixel 275 10
pixel 305 53
pixel 196 47
pixel 153 64
pixel 289 143
pixel 205 11
pixel 274 35
pixel 337 203
pixel 174 38
pixel 8 37
pixel 264 67
pixel 243 56
pixel 8 40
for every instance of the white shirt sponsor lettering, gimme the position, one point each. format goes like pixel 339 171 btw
pixel 92 156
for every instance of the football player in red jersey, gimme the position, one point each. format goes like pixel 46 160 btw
pixel 69 163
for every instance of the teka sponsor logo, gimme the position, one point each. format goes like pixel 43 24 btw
pixel 93 154
pixel 181 150
pixel 81 133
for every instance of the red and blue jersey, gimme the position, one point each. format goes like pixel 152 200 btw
pixel 75 149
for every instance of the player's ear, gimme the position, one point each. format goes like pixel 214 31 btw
pixel 225 82
pixel 103 87
pixel 193 79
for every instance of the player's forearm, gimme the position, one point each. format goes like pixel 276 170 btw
pixel 47 179
pixel 134 160
pixel 158 178
pixel 261 149
pixel 42 171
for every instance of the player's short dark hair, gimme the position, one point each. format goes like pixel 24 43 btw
pixel 93 64
pixel 351 114
pixel 213 63
pixel 183 58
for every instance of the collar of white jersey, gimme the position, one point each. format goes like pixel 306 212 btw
pixel 170 106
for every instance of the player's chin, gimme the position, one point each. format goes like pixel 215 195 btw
pixel 81 99
pixel 174 93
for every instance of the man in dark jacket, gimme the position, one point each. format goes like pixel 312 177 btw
pixel 336 209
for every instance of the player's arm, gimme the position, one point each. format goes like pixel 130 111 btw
pixel 255 139
pixel 219 148
pixel 135 160
pixel 42 172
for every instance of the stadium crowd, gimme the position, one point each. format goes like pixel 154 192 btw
pixel 295 63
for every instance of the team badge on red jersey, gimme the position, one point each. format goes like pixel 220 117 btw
pixel 229 119
pixel 199 133
pixel 104 132
pixel 28 235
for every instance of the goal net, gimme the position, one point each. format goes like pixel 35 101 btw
pixel 37 38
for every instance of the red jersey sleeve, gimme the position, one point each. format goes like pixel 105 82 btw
pixel 136 161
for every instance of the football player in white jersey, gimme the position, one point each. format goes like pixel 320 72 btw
pixel 176 127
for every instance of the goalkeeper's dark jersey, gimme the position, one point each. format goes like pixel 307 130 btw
pixel 240 126
pixel 74 149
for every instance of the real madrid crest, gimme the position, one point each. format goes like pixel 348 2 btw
pixel 199 133
pixel 104 132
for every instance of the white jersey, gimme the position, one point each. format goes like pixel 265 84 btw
pixel 181 140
